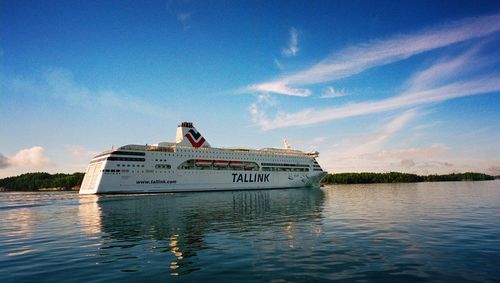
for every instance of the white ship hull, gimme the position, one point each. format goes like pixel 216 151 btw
pixel 177 168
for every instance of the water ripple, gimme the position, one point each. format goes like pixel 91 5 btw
pixel 388 232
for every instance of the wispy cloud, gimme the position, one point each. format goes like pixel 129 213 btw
pixel 431 85
pixel 59 83
pixel 356 59
pixel 79 157
pixel 448 69
pixel 312 115
pixel 376 140
pixel 30 158
pixel 4 161
pixel 408 153
pixel 282 88
pixel 80 152
pixel 358 153
pixel 293 44
pixel 375 151
pixel 494 170
pixel 181 11
pixel 278 64
pixel 185 20
pixel 258 108
pixel 330 92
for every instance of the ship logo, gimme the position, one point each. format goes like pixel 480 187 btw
pixel 195 138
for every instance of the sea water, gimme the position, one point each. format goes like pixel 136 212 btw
pixel 384 232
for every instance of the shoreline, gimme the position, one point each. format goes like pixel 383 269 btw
pixel 45 182
pixel 398 177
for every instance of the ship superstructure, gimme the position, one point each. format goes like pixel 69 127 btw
pixel 191 164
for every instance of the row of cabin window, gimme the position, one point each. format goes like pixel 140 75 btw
pixel 226 153
pixel 162 166
pixel 129 165
pixel 114 158
pixel 285 169
pixel 158 166
pixel 284 164
pixel 126 171
pixel 217 168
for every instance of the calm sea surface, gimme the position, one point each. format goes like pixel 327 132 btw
pixel 402 232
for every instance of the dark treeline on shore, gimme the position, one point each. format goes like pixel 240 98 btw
pixel 397 177
pixel 35 181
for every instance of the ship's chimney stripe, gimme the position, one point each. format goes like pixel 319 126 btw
pixel 195 134
pixel 194 143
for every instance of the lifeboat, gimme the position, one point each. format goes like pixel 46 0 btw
pixel 238 164
pixel 221 163
pixel 203 162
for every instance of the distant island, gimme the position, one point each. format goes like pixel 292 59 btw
pixel 397 177
pixel 31 182
pixel 40 181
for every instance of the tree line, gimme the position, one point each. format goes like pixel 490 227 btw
pixel 397 177
pixel 35 181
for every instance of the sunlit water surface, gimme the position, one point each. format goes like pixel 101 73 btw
pixel 387 232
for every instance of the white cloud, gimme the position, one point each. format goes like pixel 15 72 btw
pixel 23 85
pixel 330 92
pixel 307 144
pixel 33 158
pixel 408 153
pixel 258 108
pixel 80 152
pixel 278 64
pixel 185 20
pixel 358 58
pixel 279 87
pixel 374 151
pixel 60 83
pixel 80 157
pixel 494 170
pixel 448 69
pixel 181 10
pixel 312 115
pixel 125 102
pixel 4 161
pixel 431 85
pixel 374 142
pixel 293 44
pixel 357 153
pixel 407 163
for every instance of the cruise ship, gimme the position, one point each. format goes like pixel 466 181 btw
pixel 191 164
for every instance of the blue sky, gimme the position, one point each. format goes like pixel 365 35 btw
pixel 378 86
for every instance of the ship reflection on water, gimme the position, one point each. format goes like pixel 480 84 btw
pixel 190 231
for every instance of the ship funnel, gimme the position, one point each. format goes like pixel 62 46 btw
pixel 187 135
